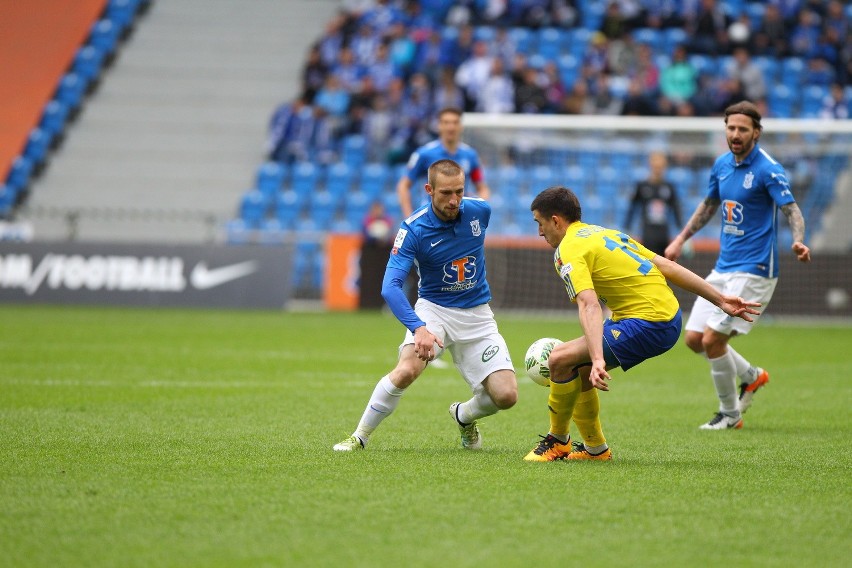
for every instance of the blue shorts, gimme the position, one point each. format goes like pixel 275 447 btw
pixel 630 341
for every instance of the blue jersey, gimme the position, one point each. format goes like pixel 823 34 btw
pixel 449 256
pixel 749 194
pixel 428 154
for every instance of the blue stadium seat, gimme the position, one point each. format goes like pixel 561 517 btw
pixel 87 63
pixel 607 182
pixel 593 209
pixel 307 265
pixel 484 33
pixel 354 150
pixel 812 97
pixel 253 208
pixel 392 207
pixel 542 177
pixel 703 64
pixel 755 11
pixel 673 37
pixel 288 208
pixel 306 177
pixel 70 91
pixel 375 178
pixel 780 100
pixel 322 208
pixel 356 206
pixel 344 225
pixel 655 39
pixel 53 118
pixel 238 232
pixel 574 177
pixel 272 232
pixel 104 36
pixel 523 39
pixel 592 14
pixel 578 40
pixel 270 178
pixel 19 173
pixel 122 13
pixel 792 69
pixel 339 180
pixel 37 147
pixel 683 179
pixel 549 43
pixel 769 66
pixel 506 179
pixel 569 69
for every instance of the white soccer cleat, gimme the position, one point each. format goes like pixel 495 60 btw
pixel 470 436
pixel 351 444
pixel 723 422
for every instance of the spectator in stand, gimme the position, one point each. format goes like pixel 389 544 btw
pixel 613 25
pixel 457 52
pixel 381 69
pixel 447 94
pixel 739 33
pixel 416 111
pixel 313 74
pixel 646 71
pixel 554 90
pixel 382 16
pixel 578 100
pixel 603 99
pixel 678 80
pixel 638 102
pixel 474 72
pixel 504 48
pixel 332 41
pixel 402 49
pixel 365 44
pixel 597 53
pixel 622 56
pixel 771 38
pixel 835 105
pixel 748 74
pixel 498 93
pixel 348 71
pixel 429 56
pixel 291 132
pixel 530 97
pixel 378 128
pixel 819 72
pixel 805 35
pixel 660 14
pixel 334 100
pixel 707 28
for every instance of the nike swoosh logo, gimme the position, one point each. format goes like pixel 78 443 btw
pixel 204 278
pixel 436 244
pixel 724 177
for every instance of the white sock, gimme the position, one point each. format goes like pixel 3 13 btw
pixel 724 373
pixel 477 407
pixel 745 370
pixel 384 400
pixel 596 450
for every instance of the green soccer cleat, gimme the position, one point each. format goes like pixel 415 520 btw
pixel 471 439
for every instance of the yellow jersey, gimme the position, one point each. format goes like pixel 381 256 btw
pixel 618 269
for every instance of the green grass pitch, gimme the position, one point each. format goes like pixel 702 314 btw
pixel 135 437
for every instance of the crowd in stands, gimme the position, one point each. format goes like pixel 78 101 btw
pixel 383 67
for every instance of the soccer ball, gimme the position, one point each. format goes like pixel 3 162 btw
pixel 535 361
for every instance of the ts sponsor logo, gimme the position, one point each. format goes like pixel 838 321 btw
pixel 732 217
pixel 459 274
pixel 119 273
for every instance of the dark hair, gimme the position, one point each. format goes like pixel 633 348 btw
pixel 558 200
pixel 747 108
pixel 444 167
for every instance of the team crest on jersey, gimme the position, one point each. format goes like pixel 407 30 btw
pixel 475 229
pixel 749 179
pixel 616 334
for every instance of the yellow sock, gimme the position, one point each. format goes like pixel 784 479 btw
pixel 561 404
pixel 587 418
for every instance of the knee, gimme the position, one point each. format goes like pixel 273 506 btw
pixel 694 341
pixel 506 398
pixel 713 346
pixel 404 374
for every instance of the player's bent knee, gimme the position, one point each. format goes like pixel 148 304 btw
pixel 505 399
pixel 694 341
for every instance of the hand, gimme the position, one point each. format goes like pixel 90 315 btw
pixel 598 376
pixel 424 343
pixel 802 252
pixel 673 251
pixel 737 307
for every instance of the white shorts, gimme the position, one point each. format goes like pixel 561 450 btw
pixel 750 287
pixel 471 336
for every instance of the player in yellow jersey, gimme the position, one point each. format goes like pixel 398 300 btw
pixel 604 265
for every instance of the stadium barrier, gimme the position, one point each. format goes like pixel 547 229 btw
pixel 146 275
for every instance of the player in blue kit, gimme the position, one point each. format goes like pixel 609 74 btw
pixel 749 187
pixel 445 241
pixel 448 146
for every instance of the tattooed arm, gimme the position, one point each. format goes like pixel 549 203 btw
pixel 703 213
pixel 797 226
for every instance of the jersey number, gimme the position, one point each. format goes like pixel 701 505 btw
pixel 625 247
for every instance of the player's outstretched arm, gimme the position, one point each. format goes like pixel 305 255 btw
pixel 688 280
pixel 797 227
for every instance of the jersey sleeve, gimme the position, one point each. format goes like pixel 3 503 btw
pixel 778 186
pixel 404 249
pixel 476 173
pixel 713 182
pixel 574 271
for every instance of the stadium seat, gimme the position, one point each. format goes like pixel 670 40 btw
pixel 19 173
pixel 354 150
pixel 607 182
pixel 37 147
pixel 392 207
pixel 288 208
pixel 542 177
pixel 53 118
pixel 549 43
pixel 769 66
pixel 356 206
pixel 322 208
pixel 484 33
pixel 253 208
pixel 305 179
pixel 374 179
pixel 339 180
pixel 270 178
pixel 683 179
pixel 104 36
pixel 523 39
pixel 121 13
pixel 703 64
pixel 70 91
pixel 655 39
pixel 578 40
pixel 812 98
pixel 87 63
pixel 272 232
pixel 780 100
pixel 569 69
pixel 755 11
pixel 673 37
pixel 792 69
pixel 8 196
